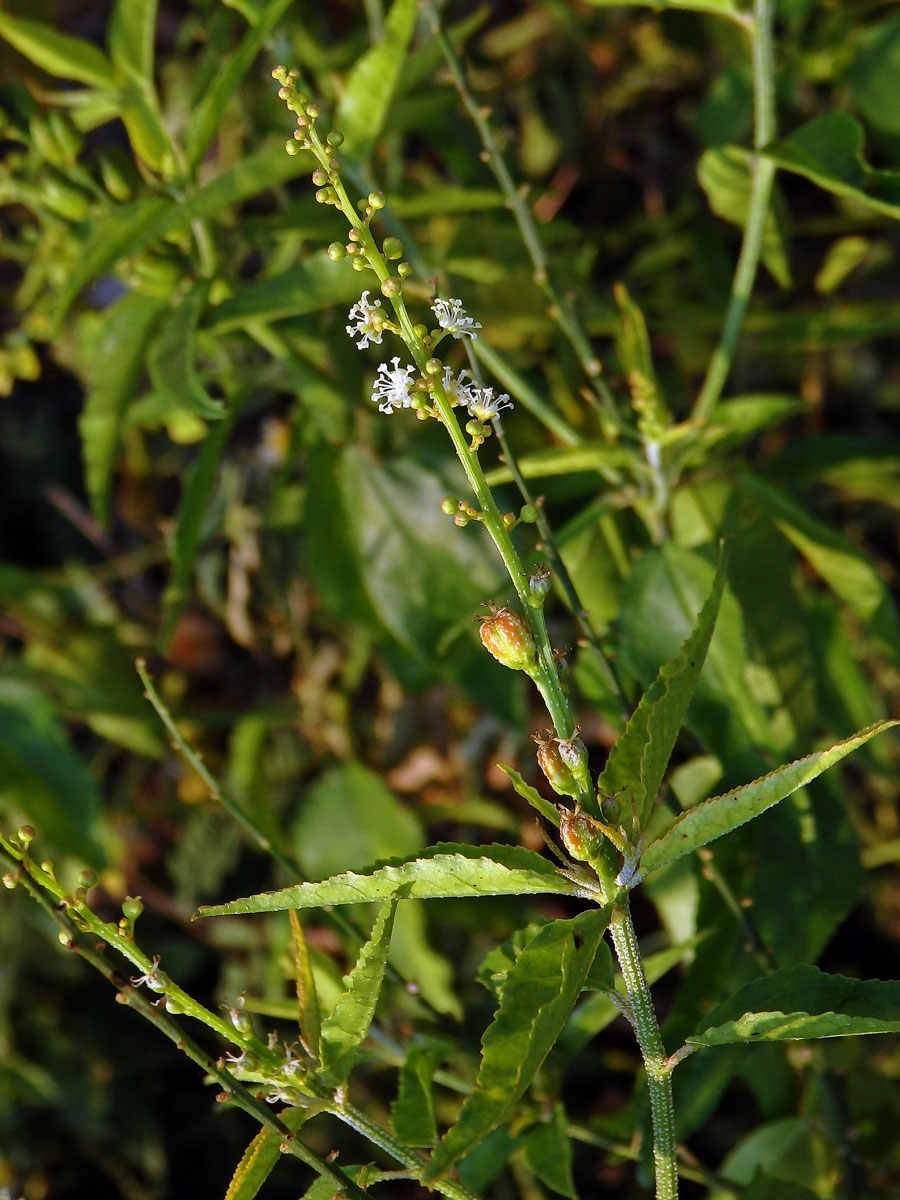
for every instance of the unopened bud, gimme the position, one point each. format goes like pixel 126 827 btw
pixel 573 753
pixel 132 907
pixel 392 247
pixel 391 287
pixel 376 201
pixel 449 505
pixel 586 842
pixel 528 514
pixel 336 251
pixel 25 835
pixel 538 586
pixel 551 763
pixel 507 636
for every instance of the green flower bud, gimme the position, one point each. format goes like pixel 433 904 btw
pixel 336 251
pixel 392 248
pixel 507 636
pixel 420 331
pixel 132 907
pixel 404 269
pixel 87 879
pixel 449 505
pixel 376 200
pixel 26 836
pixel 335 138
pixel 434 366
pixel 359 263
pixel 528 514
pixel 319 177
pixel 391 287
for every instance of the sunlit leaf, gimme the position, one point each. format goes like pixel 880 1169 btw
pixel 262 1156
pixel 373 81
pixel 58 53
pixel 305 984
pixel 726 176
pixel 802 1002
pixel 538 995
pixel 548 1153
pixel 721 814
pixel 448 870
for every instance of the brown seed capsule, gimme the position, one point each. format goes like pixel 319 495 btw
pixel 506 635
pixel 551 763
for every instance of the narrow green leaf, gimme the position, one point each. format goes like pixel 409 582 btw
pixel 412 1113
pixel 721 814
pixel 207 116
pixel 189 519
pixel 719 8
pixel 42 778
pixel 527 792
pixel 537 999
pixel 113 374
pixel 130 38
pixel 307 996
pixel 171 358
pixel 726 175
pixel 846 571
pixel 136 226
pixel 802 1002
pixel 564 460
pixel 145 127
pixel 548 1153
pixel 262 1156
pixel 315 284
pixel 829 151
pixel 347 1025
pixel 447 870
pixel 639 758
pixel 373 81
pixel 739 418
pixel 58 53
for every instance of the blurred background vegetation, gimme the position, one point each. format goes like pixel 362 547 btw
pixel 192 470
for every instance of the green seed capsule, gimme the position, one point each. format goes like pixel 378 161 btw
pixel 557 773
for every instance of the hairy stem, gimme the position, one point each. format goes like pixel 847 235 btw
pixel 761 190
pixel 656 1066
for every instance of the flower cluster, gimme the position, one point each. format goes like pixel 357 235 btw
pixel 453 319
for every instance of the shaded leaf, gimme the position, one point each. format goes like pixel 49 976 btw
pixel 412 1113
pixel 548 1153
pixel 347 1025
pixel 58 53
pixel 171 358
pixel 113 372
pixel 639 758
pixel 721 814
pixel 721 8
pixel 448 871
pixel 829 151
pixel 725 173
pixel 310 286
pixel 873 76
pixel 537 998
pixel 371 85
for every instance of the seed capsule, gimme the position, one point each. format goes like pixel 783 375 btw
pixel 558 774
pixel 506 635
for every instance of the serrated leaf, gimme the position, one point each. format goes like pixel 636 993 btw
pixel 307 997
pixel 113 374
pixel 58 53
pixel 262 1156
pixel 171 358
pixel 206 117
pixel 527 792
pixel 721 814
pixel 537 999
pixel 726 175
pixel 448 871
pixel 802 1002
pixel 548 1153
pixel 829 151
pixel 373 81
pixel 412 1113
pixel 639 758
pixel 347 1025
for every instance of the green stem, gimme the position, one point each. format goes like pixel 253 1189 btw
pixel 560 308
pixel 761 190
pixel 656 1066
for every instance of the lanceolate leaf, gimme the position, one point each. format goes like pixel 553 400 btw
pixel 721 8
pixel 413 1111
pixel 262 1156
pixel 58 53
pixel 532 795
pixel 721 814
pixel 305 984
pixel 131 30
pixel 537 998
pixel 347 1025
pixel 373 80
pixel 447 870
pixel 802 1002
pixel 639 758
pixel 171 358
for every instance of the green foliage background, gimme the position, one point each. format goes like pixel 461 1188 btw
pixel 192 469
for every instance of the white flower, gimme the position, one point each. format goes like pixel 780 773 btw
pixel 392 387
pixel 151 979
pixel 368 320
pixel 458 391
pixel 452 316
pixel 483 406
